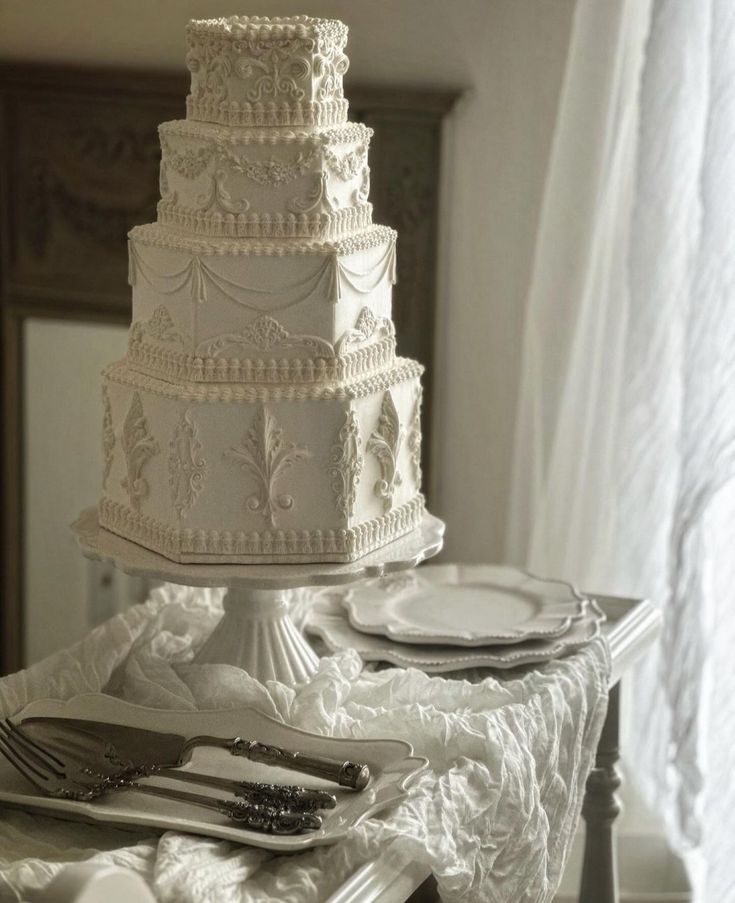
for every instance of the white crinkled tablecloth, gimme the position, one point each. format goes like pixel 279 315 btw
pixel 493 816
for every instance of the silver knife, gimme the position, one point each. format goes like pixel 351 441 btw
pixel 142 748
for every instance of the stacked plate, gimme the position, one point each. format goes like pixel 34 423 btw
pixel 450 617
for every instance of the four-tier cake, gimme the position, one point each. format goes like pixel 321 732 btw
pixel 261 414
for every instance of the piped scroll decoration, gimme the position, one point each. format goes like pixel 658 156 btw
pixel 317 198
pixel 139 447
pixel 265 334
pixel 108 437
pixel 267 456
pixel 278 63
pixel 160 327
pixel 187 163
pixel 414 438
pixel 385 443
pixel 190 164
pixel 345 464
pixel 367 327
pixel 213 68
pixel 349 166
pixel 220 199
pixel 271 172
pixel 186 466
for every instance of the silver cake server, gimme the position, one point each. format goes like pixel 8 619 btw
pixel 99 758
pixel 141 748
pixel 73 781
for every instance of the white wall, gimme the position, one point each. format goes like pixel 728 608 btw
pixel 509 55
pixel 63 405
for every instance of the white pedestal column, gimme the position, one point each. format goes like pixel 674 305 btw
pixel 257 634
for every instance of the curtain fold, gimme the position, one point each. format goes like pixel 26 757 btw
pixel 624 473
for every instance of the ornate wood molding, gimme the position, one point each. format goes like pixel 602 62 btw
pixel 79 157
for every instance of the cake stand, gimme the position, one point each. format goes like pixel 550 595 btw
pixel 256 632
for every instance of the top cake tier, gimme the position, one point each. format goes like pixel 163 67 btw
pixel 253 71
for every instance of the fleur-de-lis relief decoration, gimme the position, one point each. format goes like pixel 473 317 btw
pixel 385 443
pixel 138 446
pixel 108 436
pixel 345 464
pixel 220 198
pixel 277 67
pixel 267 456
pixel 186 466
pixel 414 438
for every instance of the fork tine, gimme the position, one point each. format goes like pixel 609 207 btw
pixel 28 754
pixel 17 731
pixel 47 783
pixel 36 778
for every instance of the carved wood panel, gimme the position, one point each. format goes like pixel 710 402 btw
pixel 79 167
pixel 83 176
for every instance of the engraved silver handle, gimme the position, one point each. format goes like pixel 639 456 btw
pixel 298 799
pixel 257 818
pixel 346 774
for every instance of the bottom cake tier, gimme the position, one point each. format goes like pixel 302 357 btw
pixel 246 474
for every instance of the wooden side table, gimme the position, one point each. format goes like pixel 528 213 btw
pixel 631 629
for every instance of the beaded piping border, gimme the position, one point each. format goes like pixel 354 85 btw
pixel 159 236
pixel 266 547
pixel 404 369
pixel 318 114
pixel 349 133
pixel 172 364
pixel 263 225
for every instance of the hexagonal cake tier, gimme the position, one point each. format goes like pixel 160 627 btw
pixel 243 474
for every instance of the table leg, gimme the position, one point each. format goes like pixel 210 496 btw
pixel 600 809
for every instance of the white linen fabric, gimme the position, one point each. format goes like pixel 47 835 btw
pixel 493 817
pixel 625 446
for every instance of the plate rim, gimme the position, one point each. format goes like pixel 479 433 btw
pixel 417 637
pixel 472 657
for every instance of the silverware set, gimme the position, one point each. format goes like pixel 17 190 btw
pixel 83 760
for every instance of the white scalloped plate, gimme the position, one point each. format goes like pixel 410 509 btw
pixel 331 624
pixel 464 605
pixel 392 765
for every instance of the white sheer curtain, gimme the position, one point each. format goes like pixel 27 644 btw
pixel 625 449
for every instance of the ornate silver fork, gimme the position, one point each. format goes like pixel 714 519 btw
pixel 56 778
pixel 73 743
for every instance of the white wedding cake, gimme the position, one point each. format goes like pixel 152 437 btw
pixel 261 414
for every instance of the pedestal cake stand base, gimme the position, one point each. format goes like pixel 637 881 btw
pixel 256 632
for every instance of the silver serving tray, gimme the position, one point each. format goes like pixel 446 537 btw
pixel 392 765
